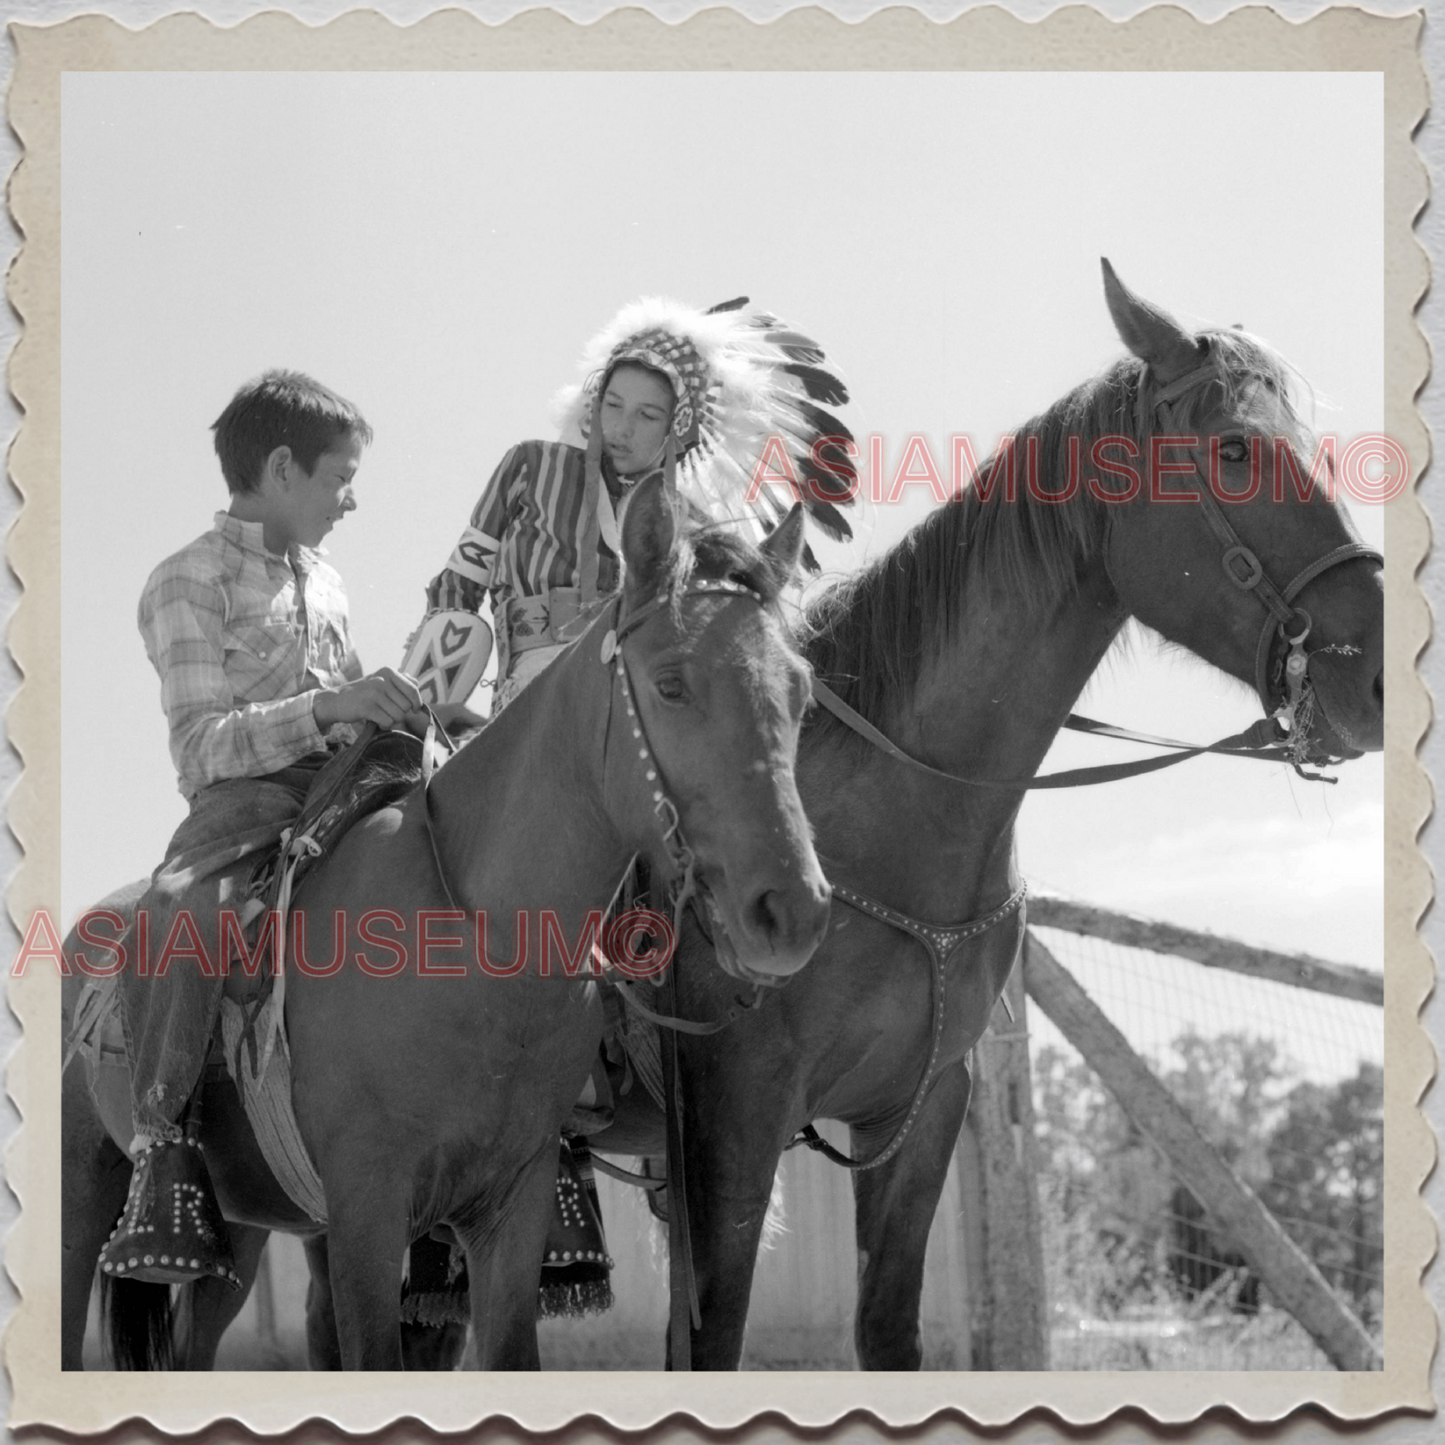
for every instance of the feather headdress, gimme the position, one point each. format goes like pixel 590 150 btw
pixel 748 398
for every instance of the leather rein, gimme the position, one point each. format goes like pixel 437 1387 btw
pixel 1266 740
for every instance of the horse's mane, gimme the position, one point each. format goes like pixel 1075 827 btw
pixel 868 635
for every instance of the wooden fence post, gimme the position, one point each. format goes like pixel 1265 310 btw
pixel 1010 1320
pixel 1298 970
pixel 1251 1228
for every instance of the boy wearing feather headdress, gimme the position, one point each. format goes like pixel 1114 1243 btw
pixel 698 396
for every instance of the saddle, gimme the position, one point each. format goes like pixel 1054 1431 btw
pixel 378 769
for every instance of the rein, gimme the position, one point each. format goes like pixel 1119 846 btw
pixel 684 1313
pixel 685 1309
pixel 1260 740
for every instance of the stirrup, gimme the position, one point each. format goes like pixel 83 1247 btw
pixel 171 1230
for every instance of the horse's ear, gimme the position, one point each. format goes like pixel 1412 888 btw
pixel 649 533
pixel 1153 335
pixel 784 545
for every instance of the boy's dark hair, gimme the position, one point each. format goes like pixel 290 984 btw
pixel 281 409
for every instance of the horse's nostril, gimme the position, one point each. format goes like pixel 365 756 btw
pixel 765 915
pixel 1380 687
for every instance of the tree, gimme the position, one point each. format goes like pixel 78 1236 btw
pixel 1233 1086
pixel 1327 1165
pixel 1120 1231
pixel 1103 1187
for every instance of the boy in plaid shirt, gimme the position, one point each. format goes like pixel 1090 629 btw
pixel 247 627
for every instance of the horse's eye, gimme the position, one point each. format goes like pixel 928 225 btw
pixel 1232 449
pixel 671 687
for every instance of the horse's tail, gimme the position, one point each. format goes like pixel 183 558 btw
pixel 139 1322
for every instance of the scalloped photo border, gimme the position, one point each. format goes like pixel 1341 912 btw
pixel 984 40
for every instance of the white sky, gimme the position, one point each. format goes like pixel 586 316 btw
pixel 439 247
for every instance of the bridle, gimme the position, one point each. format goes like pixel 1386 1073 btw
pixel 669 822
pixel 680 855
pixel 683 1310
pixel 1282 689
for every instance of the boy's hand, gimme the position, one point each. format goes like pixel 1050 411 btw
pixel 385 698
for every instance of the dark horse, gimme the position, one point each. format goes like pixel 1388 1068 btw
pixel 967 645
pixel 441 1104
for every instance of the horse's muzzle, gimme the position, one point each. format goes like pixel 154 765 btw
pixel 1349 689
pixel 778 932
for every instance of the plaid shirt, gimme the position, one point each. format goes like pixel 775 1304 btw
pixel 242 639
pixel 526 533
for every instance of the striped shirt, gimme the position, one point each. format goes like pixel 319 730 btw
pixel 242 639
pixel 526 533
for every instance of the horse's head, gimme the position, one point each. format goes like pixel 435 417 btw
pixel 1234 547
pixel 713 690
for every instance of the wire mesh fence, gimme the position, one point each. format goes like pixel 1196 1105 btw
pixel 1285 1084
